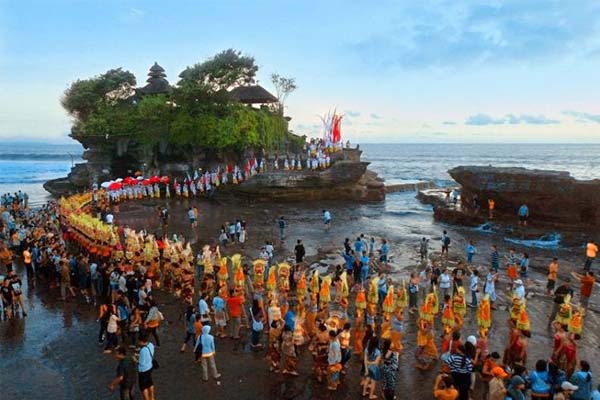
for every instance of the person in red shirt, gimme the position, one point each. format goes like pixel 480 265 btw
pixel 235 301
pixel 587 284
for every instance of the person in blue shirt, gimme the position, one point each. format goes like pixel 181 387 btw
pixel 349 258
pixel 327 219
pixel 470 252
pixel 207 341
pixel 190 332
pixel 144 362
pixel 382 288
pixel 583 380
pixel 384 251
pixel 358 245
pixel 539 380
pixel 290 319
pixel 220 317
pixel 282 225
pixel 523 214
pixel 524 266
pixel 364 268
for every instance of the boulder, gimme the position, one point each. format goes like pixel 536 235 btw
pixel 554 198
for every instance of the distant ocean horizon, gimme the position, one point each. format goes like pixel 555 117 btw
pixel 27 165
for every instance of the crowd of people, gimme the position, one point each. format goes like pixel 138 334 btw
pixel 293 311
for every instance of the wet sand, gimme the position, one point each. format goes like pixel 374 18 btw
pixel 53 352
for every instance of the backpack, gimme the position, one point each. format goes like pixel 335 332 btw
pixel 447 241
pixel 538 385
pixel 123 312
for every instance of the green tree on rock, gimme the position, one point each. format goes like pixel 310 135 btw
pixel 225 70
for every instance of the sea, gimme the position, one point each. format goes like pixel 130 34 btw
pixel 26 166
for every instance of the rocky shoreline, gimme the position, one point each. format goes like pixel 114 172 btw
pixel 347 179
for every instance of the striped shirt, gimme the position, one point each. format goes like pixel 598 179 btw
pixel 459 364
pixel 495 259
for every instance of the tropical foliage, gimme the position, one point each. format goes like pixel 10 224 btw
pixel 196 113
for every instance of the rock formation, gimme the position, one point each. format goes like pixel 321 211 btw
pixel 344 180
pixel 554 198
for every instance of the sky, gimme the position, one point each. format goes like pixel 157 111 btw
pixel 399 71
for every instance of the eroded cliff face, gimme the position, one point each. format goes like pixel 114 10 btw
pixel 346 179
pixel 553 197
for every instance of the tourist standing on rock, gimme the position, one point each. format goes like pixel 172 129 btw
pixel 445 243
pixel 523 214
pixel 524 266
pixel 445 281
pixel 358 246
pixel 424 249
pixel 591 250
pixel 559 298
pixel 192 217
pixel 489 287
pixel 495 258
pixel 470 252
pixel 145 366
pixel 587 284
pixel 424 282
pixel 552 275
pixel 474 287
pixel 364 268
pixel 372 247
pixel 384 251
pixel 491 207
pixel 282 223
pixel 300 252
pixel 327 220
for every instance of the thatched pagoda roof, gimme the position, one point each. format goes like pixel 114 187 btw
pixel 252 95
pixel 156 82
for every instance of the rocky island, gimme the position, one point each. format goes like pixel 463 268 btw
pixel 555 199
pixel 215 115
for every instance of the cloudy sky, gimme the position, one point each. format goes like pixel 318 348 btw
pixel 400 71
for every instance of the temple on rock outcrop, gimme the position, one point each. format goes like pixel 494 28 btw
pixel 206 120
pixel 156 82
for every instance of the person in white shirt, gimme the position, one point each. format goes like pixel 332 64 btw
pixel 111 331
pixel 519 289
pixel 445 284
pixel 474 287
pixel 109 218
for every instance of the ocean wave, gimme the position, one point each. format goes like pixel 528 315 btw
pixel 38 157
pixel 401 213
pixel 22 180
pixel 549 241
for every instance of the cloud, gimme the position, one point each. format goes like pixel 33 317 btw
pixel 530 119
pixel 583 117
pixel 485 119
pixel 132 15
pixel 375 116
pixel 351 113
pixel 448 33
pixel 449 123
